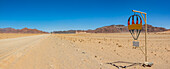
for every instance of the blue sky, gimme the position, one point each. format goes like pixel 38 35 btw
pixel 51 15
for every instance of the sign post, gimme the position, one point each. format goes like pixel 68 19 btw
pixel 138 27
pixel 145 32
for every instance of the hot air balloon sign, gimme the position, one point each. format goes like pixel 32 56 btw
pixel 135 27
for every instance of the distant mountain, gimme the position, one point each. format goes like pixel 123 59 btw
pixel 154 29
pixel 110 29
pixel 24 30
pixel 115 29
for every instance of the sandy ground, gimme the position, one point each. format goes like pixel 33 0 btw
pixel 83 51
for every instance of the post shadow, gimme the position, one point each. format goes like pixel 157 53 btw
pixel 130 64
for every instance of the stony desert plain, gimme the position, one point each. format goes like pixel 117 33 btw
pixel 82 51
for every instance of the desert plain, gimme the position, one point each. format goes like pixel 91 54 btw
pixel 82 51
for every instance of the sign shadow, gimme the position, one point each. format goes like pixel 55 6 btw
pixel 130 64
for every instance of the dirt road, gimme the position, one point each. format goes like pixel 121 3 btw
pixel 43 52
pixel 88 51
pixel 12 49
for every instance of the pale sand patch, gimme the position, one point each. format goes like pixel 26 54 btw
pixel 15 35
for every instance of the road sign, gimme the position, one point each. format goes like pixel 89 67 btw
pixel 138 27
pixel 135 28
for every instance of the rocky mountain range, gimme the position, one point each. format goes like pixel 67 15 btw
pixel 115 29
pixel 122 28
pixel 24 30
pixel 105 29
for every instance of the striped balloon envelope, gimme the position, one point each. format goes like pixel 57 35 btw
pixel 134 26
